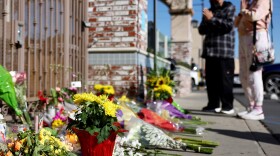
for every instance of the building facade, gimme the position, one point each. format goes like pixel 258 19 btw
pixel 46 39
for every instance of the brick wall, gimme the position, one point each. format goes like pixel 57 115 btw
pixel 126 79
pixel 181 51
pixel 118 23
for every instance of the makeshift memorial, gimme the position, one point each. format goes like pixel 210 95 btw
pixel 95 123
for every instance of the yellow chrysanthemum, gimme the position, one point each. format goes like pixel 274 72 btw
pixel 46 137
pixel 108 89
pixel 98 87
pixel 123 99
pixel 79 98
pixel 110 108
pixel 57 123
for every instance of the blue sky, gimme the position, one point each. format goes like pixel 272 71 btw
pixel 163 20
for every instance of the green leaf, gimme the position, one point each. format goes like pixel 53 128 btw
pixel 28 140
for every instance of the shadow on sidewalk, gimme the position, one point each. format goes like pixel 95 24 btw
pixel 255 136
pixel 197 112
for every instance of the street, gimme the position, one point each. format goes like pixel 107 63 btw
pixel 271 111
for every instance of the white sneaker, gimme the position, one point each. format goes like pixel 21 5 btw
pixel 228 112
pixel 240 114
pixel 218 110
pixel 253 115
pixel 248 110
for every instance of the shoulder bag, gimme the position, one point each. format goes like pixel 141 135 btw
pixel 266 56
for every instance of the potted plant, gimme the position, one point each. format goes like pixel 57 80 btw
pixel 95 123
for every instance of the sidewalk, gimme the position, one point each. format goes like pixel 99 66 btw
pixel 237 137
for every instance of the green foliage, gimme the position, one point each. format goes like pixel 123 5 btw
pixel 184 64
pixel 29 143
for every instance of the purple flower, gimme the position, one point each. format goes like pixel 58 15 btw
pixel 119 113
pixel 173 111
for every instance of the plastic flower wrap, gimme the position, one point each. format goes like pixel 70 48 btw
pixel 125 147
pixel 156 120
pixel 150 136
pixel 7 91
pixel 19 79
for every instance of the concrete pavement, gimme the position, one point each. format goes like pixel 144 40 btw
pixel 237 137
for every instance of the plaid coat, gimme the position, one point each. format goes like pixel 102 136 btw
pixel 219 32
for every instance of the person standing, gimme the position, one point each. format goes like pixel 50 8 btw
pixel 218 50
pixel 258 11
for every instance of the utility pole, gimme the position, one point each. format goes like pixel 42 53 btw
pixel 202 65
pixel 201 49
pixel 155 35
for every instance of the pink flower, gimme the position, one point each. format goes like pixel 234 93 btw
pixel 59 115
pixel 20 77
pixel 57 89
pixel 73 89
pixel 60 99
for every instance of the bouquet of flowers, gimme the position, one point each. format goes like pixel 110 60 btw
pixel 160 87
pixel 68 93
pixel 154 79
pixel 96 120
pixel 163 92
pixel 56 97
pixel 105 90
pixel 43 143
pixel 19 79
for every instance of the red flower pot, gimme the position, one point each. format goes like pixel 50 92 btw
pixel 89 144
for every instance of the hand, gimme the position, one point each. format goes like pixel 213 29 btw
pixel 243 4
pixel 207 14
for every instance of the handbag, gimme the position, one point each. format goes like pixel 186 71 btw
pixel 263 57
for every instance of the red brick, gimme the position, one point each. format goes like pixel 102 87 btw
pixel 132 12
pixel 131 33
pixel 92 29
pixel 92 20
pixel 132 44
pixel 130 28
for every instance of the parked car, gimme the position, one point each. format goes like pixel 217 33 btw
pixel 236 81
pixel 196 78
pixel 271 78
